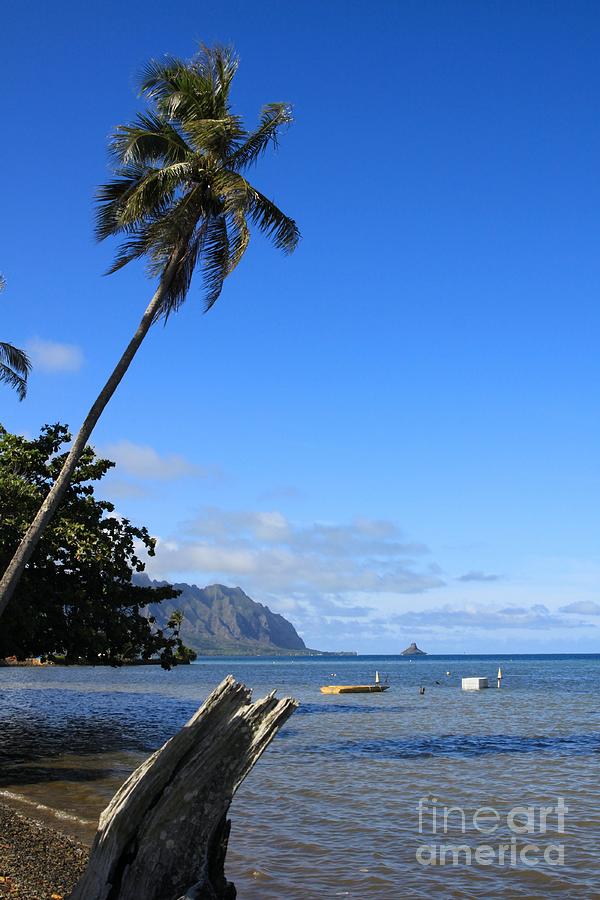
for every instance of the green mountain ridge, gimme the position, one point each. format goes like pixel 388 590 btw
pixel 220 620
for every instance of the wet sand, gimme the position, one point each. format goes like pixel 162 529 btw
pixel 37 862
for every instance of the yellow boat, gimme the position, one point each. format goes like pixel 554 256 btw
pixel 354 688
pixel 376 688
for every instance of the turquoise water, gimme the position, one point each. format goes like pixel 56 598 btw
pixel 332 809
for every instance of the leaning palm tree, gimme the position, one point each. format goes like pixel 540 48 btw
pixel 181 199
pixel 14 363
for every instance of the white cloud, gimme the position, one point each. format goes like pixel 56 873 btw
pixel 582 608
pixel 52 356
pixel 143 461
pixel 362 537
pixel 536 616
pixel 477 575
pixel 121 489
pixel 267 552
pixel 349 585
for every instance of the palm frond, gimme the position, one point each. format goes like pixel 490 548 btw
pixel 223 63
pixel 186 91
pixel 154 192
pixel 269 219
pixel 134 247
pixel 273 118
pixel 150 139
pixel 158 236
pixel 239 238
pixel 15 366
pixel 157 78
pixel 215 260
pixel 232 188
pixel 214 136
pixel 180 284
pixel 112 196
pixel 140 194
pixel 15 358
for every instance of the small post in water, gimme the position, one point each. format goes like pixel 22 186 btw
pixel 499 678
pixel 376 677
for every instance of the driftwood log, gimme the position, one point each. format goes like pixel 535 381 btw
pixel 164 834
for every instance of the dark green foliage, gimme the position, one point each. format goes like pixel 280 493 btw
pixel 75 598
pixel 179 190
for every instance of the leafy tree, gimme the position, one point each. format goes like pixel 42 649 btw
pixel 76 598
pixel 181 199
pixel 175 621
pixel 14 363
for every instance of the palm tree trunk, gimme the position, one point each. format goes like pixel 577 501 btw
pixel 13 573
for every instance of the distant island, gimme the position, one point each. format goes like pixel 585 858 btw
pixel 413 650
pixel 224 621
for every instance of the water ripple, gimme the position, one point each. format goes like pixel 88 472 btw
pixel 465 746
pixel 331 809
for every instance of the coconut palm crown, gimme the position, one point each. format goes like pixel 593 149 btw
pixel 180 193
pixel 180 198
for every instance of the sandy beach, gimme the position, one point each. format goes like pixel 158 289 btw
pixel 37 862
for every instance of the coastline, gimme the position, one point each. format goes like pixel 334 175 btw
pixel 37 862
pixel 212 654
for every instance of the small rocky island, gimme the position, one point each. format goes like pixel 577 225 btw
pixel 413 650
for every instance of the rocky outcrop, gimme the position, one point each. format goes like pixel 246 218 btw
pixel 224 620
pixel 413 650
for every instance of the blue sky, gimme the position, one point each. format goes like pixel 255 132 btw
pixel 392 435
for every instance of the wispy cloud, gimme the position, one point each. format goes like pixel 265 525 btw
pixel 143 461
pixel 118 488
pixel 52 356
pixel 537 616
pixel 476 575
pixel 582 608
pixel 360 583
pixel 271 553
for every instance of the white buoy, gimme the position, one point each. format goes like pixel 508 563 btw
pixel 376 677
pixel 499 677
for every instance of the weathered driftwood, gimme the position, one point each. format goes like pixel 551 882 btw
pixel 164 834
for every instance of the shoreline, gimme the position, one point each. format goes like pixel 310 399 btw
pixel 37 861
pixel 34 664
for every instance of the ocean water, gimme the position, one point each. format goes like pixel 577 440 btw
pixel 342 804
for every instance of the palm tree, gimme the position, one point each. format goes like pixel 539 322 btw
pixel 181 199
pixel 14 363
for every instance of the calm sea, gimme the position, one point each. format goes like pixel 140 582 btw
pixel 360 796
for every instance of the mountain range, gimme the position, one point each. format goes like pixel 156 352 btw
pixel 220 620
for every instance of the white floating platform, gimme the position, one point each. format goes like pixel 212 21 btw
pixel 474 684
